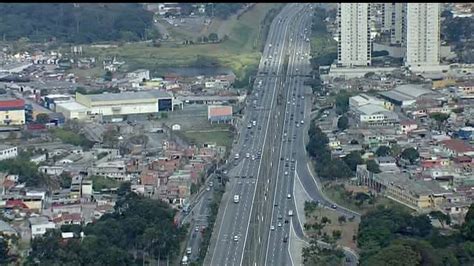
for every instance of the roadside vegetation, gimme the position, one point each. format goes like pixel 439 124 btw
pixel 139 231
pixel 397 237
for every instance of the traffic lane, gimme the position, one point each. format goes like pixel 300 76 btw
pixel 242 192
pixel 291 129
pixel 245 195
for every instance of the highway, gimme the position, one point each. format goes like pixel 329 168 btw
pixel 227 248
pixel 255 231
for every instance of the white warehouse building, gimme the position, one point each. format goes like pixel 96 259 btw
pixel 126 103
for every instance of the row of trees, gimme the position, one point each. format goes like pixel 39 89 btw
pixel 139 230
pixel 76 23
pixel 331 168
pixel 396 237
pixel 318 149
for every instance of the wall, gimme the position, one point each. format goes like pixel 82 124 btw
pixel 17 117
pixel 8 153
pixel 125 109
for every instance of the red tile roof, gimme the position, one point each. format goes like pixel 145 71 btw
pixel 10 103
pixel 457 145
pixel 220 111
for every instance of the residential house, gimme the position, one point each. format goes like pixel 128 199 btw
pixel 407 126
pixel 8 152
pixel 456 147
pixel 39 225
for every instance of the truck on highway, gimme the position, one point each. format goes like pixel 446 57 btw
pixel 184 261
pixel 236 198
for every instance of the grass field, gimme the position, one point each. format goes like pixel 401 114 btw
pixel 237 53
pixel 222 136
pixel 322 44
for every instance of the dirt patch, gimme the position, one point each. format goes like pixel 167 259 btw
pixel 348 228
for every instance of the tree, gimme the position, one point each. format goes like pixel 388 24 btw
pixel 336 234
pixel 353 159
pixel 65 180
pixel 382 151
pixel 343 123
pixel 440 118
pixel 395 149
pixel 213 37
pixel 410 154
pixel 42 118
pixel 341 219
pixel 468 225
pixel 442 218
pixel 108 76
pixel 4 256
pixel 342 102
pixel 194 188
pixel 373 167
pixel 395 255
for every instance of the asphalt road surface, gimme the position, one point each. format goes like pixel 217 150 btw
pixel 255 230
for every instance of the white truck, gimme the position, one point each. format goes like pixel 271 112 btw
pixel 236 198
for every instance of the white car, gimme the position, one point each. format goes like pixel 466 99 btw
pixel 288 196
pixel 279 224
pixel 286 172
pixel 236 238
pixel 247 155
pixel 272 227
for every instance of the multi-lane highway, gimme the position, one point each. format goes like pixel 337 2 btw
pixel 227 248
pixel 255 230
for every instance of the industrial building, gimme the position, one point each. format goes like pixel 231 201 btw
pixel 126 103
pixel 406 95
pixel 375 115
pixel 72 110
pixel 12 111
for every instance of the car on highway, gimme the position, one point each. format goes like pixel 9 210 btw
pixel 334 206
pixel 188 250
pixel 211 184
pixel 237 156
pixel 247 155
pixel 253 157
pixel 286 172
pixel 236 238
pixel 288 196
pixel 208 189
pixel 236 198
pixel 302 122
pixel 279 224
pixel 272 227
pixel 290 213
pixel 196 229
